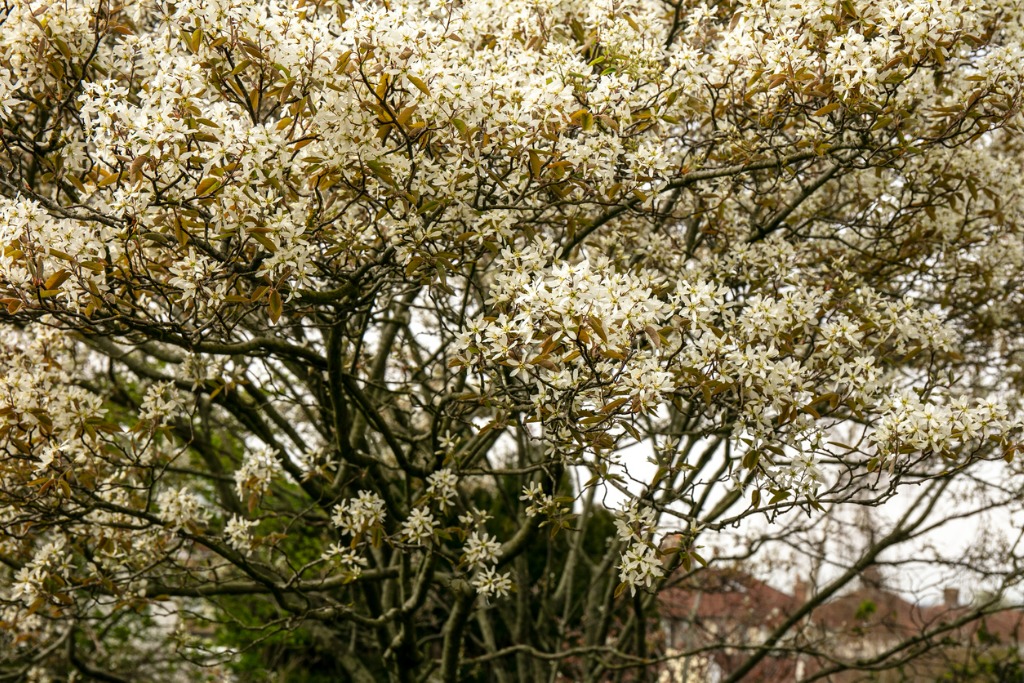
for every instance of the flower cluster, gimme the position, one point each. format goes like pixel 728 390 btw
pixel 356 516
pixel 160 402
pixel 418 527
pixel 238 533
pixel 640 564
pixel 181 508
pixel 441 488
pixel 347 559
pixel 256 473
pixel 580 338
pixel 480 553
pixel 31 580
pixel 540 503
pixel 910 424
pixel 481 549
pixel 489 583
pixel 359 518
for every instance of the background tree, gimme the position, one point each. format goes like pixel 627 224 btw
pixel 323 319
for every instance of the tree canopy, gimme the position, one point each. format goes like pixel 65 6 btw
pixel 329 326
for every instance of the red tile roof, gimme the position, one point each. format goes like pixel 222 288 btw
pixel 732 608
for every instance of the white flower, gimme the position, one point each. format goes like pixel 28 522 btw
pixel 181 507
pixel 258 469
pixel 489 583
pixel 441 486
pixel 640 566
pixel 47 456
pixel 357 515
pixel 474 518
pixel 161 400
pixel 347 558
pixel 418 528
pixel 531 491
pixel 27 585
pixel 191 275
pixel 238 533
pixel 481 549
pixel 634 522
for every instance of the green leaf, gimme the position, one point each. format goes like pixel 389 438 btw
pixel 275 306
pixel 751 458
pixel 207 186
pixel 827 109
pixel 420 85
pixel 57 279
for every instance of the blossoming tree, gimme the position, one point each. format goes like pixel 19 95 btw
pixel 335 315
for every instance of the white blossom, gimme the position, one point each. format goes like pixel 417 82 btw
pixel 441 486
pixel 640 566
pixel 418 527
pixel 480 550
pixel 257 472
pixel 181 508
pixel 357 515
pixel 238 533
pixel 489 583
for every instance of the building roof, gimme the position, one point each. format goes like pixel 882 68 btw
pixel 726 594
pixel 735 609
